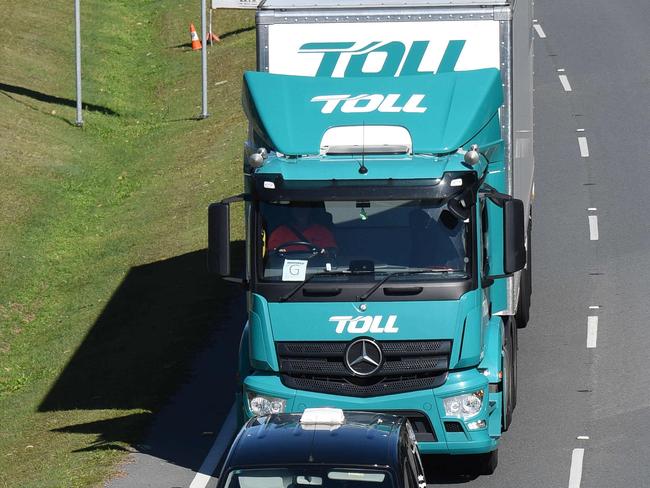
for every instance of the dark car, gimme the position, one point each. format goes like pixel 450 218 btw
pixel 324 447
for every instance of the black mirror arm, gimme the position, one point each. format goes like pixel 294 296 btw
pixel 487 281
pixel 496 277
pixel 243 282
pixel 236 198
pixel 497 197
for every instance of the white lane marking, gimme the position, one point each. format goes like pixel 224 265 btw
pixel 580 130
pixel 575 475
pixel 593 227
pixel 594 307
pixel 561 70
pixel 540 31
pixel 221 443
pixel 592 209
pixel 584 147
pixel 592 331
pixel 583 437
pixel 565 83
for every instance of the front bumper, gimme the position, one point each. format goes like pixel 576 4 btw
pixel 426 402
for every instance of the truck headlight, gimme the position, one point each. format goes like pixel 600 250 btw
pixel 261 405
pixel 464 406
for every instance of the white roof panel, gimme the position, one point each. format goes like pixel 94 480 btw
pixel 348 4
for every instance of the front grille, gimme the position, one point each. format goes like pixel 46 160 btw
pixel 407 366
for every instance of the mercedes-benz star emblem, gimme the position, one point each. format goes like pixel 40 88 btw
pixel 363 357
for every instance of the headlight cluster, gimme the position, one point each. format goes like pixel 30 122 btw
pixel 261 405
pixel 464 406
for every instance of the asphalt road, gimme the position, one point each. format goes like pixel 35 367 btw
pixel 575 403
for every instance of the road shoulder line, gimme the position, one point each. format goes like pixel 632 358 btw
pixel 221 443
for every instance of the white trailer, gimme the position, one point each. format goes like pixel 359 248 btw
pixel 340 38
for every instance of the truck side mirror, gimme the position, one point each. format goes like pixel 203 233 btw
pixel 219 239
pixel 514 236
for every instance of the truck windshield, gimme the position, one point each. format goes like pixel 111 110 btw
pixel 379 237
pixel 308 476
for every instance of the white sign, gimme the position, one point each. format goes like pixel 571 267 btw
pixel 235 3
pixel 294 270
pixel 383 48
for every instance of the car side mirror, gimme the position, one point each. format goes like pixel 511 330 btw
pixel 514 236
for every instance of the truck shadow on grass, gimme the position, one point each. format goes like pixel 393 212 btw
pixel 162 319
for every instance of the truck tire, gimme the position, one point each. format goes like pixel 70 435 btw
pixel 525 284
pixel 486 463
pixel 507 368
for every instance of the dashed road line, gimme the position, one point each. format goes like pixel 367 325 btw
pixel 592 331
pixel 540 31
pixel 575 475
pixel 594 307
pixel 583 437
pixel 221 443
pixel 593 227
pixel 584 146
pixel 565 83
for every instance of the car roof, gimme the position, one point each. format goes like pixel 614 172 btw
pixel 364 439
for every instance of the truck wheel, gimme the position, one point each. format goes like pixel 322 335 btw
pixel 507 358
pixel 525 284
pixel 487 463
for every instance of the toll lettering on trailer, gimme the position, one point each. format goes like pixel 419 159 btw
pixel 391 58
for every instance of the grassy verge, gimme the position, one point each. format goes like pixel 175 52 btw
pixel 103 296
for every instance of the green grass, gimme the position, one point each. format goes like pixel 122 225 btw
pixel 103 296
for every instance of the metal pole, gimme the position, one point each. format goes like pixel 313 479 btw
pixel 210 24
pixel 77 21
pixel 204 62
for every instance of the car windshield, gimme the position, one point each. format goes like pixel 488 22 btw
pixel 300 239
pixel 306 476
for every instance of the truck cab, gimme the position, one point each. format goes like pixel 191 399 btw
pixel 324 447
pixel 380 238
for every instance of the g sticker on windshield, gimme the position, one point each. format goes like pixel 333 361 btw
pixel 294 270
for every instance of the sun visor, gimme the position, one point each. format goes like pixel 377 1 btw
pixel 292 114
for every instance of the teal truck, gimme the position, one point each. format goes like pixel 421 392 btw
pixel 388 188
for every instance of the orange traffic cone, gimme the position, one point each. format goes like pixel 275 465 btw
pixel 213 37
pixel 196 42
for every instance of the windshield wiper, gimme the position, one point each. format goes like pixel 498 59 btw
pixel 321 273
pixel 401 273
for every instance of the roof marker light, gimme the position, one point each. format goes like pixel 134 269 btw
pixel 322 416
